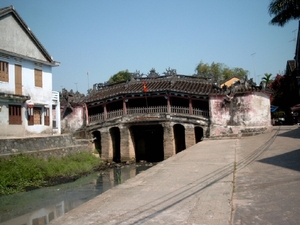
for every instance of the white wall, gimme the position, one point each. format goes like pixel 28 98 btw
pixel 39 96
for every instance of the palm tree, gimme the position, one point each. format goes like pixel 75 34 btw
pixel 284 11
pixel 267 79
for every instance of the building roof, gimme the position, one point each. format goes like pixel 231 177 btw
pixel 184 85
pixel 10 10
pixel 290 67
pixel 230 81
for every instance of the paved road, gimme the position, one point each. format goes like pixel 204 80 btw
pixel 251 180
pixel 267 180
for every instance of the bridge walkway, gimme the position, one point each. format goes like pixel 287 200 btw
pixel 216 182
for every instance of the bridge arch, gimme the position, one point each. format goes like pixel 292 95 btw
pixel 199 134
pixel 97 141
pixel 179 137
pixel 148 142
pixel 116 143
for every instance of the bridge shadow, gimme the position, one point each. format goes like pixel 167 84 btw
pixel 294 133
pixel 189 191
pixel 288 160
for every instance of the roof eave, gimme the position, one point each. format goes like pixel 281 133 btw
pixel 12 54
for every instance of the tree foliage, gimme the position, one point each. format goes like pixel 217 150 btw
pixel 218 72
pixel 122 75
pixel 267 79
pixel 284 11
pixel 285 93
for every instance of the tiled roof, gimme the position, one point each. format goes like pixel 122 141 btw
pixel 184 85
pixel 178 84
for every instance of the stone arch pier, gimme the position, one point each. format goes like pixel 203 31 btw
pixel 151 142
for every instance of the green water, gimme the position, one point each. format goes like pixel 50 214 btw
pixel 40 206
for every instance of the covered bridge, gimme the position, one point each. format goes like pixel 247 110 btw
pixel 156 117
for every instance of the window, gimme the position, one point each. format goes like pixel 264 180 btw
pixel 3 71
pixel 15 116
pixel 47 117
pixel 38 78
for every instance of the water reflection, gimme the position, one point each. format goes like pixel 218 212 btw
pixel 39 207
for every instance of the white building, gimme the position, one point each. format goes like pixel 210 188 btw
pixel 27 102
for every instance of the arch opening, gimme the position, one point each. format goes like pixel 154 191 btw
pixel 97 141
pixel 116 143
pixel 198 134
pixel 148 142
pixel 179 137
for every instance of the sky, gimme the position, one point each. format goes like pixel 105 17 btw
pixel 95 39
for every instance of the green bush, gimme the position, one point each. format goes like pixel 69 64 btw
pixel 24 172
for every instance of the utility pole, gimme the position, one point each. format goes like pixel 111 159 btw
pixel 258 82
pixel 76 87
pixel 294 39
pixel 88 80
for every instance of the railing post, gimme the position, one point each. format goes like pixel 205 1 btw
pixel 168 104
pixel 190 106
pixel 124 106
pixel 104 112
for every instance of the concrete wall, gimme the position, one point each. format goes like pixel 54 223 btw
pixel 244 113
pixel 56 146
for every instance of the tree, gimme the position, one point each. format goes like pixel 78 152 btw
pixel 239 72
pixel 202 69
pixel 285 93
pixel 218 72
pixel 284 11
pixel 267 79
pixel 122 75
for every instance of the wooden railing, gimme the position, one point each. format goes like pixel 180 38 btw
pixel 143 110
pixel 147 110
pixel 115 113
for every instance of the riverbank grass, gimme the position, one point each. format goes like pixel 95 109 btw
pixel 24 172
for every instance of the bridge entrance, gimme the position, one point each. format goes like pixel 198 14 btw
pixel 148 142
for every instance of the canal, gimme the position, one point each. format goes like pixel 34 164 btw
pixel 40 206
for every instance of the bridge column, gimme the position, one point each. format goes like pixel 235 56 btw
pixel 106 144
pixel 127 148
pixel 169 144
pixel 189 135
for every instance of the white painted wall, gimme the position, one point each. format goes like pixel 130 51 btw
pixel 41 97
pixel 14 39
